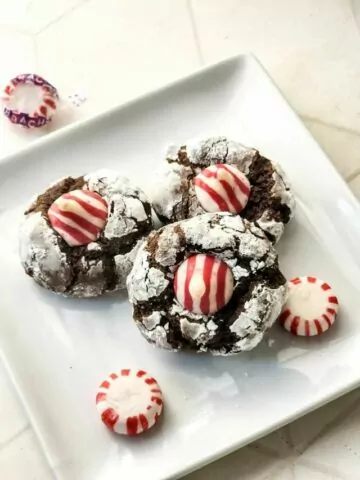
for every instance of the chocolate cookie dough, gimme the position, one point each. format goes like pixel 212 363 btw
pixel 270 203
pixel 258 289
pixel 79 237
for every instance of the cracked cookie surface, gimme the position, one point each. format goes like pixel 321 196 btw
pixel 259 294
pixel 100 266
pixel 271 203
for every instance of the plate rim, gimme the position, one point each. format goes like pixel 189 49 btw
pixel 67 130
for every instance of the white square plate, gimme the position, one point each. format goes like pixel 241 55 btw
pixel 58 350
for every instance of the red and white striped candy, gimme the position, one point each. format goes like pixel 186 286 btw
pixel 78 216
pixel 311 307
pixel 222 188
pixel 129 402
pixel 203 284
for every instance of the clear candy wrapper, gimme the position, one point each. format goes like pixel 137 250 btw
pixel 31 101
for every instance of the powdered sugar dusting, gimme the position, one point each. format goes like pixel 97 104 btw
pixel 146 282
pixel 220 150
pixel 228 237
pixel 276 229
pixel 192 330
pixel 43 258
pixel 124 200
pixel 166 189
pixel 167 249
pixel 157 336
pixel 152 320
pixel 40 251
pixel 246 325
pixel 173 193
pixel 253 247
pixel 281 189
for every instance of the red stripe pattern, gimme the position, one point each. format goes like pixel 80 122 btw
pixel 78 216
pixel 129 402
pixel 311 308
pixel 203 284
pixel 222 188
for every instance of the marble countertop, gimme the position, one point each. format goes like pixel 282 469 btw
pixel 112 50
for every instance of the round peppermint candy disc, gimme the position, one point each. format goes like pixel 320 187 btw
pixel 129 402
pixel 78 216
pixel 203 284
pixel 222 188
pixel 311 307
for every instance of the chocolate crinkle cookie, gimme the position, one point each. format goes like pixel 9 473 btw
pixel 209 283
pixel 79 237
pixel 219 174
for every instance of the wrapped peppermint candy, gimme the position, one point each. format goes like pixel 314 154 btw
pixel 30 101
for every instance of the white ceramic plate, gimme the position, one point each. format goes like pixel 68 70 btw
pixel 58 350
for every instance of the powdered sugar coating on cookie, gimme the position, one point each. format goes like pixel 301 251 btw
pixel 259 288
pixel 271 203
pixel 101 266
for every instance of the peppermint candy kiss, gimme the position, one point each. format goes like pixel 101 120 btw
pixel 222 188
pixel 78 216
pixel 203 284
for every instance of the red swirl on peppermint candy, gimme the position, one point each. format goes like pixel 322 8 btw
pixel 78 216
pixel 311 307
pixel 129 402
pixel 222 188
pixel 203 284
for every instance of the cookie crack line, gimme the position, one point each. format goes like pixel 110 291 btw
pixel 226 154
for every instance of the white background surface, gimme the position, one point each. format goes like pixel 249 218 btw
pixel 113 50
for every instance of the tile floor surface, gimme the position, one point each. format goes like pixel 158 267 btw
pixel 112 50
